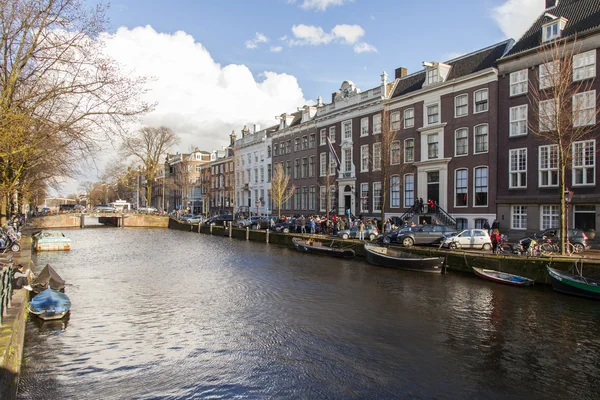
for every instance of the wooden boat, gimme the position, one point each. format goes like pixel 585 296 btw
pixel 46 240
pixel 573 284
pixel 47 278
pixel 392 258
pixel 316 247
pixel 503 277
pixel 50 304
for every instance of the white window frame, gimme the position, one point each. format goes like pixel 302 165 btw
pixel 461 105
pixel 551 30
pixel 364 158
pixel 395 146
pixel 519 173
pixel 426 114
pixel 432 75
pixel 584 108
pixel 395 191
pixel 364 197
pixel 322 198
pixel 364 126
pixel 323 137
pixel 465 187
pixel 409 188
pixel 464 139
pixel 332 134
pixel 376 204
pixel 407 157
pixel 518 82
pixel 476 185
pixel 395 120
pixel 547 73
pixel 477 135
pixel 347 159
pixel 377 156
pixel 584 163
pixel 518 217
pixel 323 164
pixel 547 115
pixel 409 118
pixel 549 216
pixel 347 130
pixel 436 137
pixel 376 124
pixel 584 65
pixel 548 165
pixel 481 101
pixel 517 120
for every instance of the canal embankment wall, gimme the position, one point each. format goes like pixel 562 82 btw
pixel 74 220
pixel 457 260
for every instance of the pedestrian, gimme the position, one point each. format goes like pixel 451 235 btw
pixel 495 225
pixel 421 205
pixel 388 226
pixel 361 231
pixel 313 226
pixel 302 224
pixel 430 206
pixel 496 239
pixel 486 226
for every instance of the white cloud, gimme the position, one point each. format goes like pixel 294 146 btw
pixel 514 17
pixel 308 34
pixel 320 5
pixel 259 38
pixel 315 35
pixel 364 48
pixel 275 49
pixel 349 33
pixel 201 100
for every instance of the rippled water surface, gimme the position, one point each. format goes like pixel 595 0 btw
pixel 160 314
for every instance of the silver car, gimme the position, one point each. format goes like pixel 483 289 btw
pixel 371 233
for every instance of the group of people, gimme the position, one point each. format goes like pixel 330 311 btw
pixel 494 232
pixel 419 206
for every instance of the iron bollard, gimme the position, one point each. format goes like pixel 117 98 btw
pixel 230 230
pixel 247 233
pixel 267 235
pixel 211 225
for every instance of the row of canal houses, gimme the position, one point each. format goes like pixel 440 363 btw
pixel 462 139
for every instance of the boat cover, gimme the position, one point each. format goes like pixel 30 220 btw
pixel 50 301
pixel 48 278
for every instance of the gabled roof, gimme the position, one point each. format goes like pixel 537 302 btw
pixel 582 16
pixel 461 66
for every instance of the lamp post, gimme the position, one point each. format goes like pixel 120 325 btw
pixel 568 198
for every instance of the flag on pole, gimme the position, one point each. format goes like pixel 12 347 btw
pixel 333 153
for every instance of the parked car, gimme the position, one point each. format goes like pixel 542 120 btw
pixel 286 226
pixel 185 217
pixel 392 236
pixel 104 208
pixel 194 219
pixel 576 236
pixel 426 234
pixel 147 210
pixel 219 219
pixel 371 232
pixel 469 239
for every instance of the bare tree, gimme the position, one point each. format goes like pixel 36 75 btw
pixel 565 109
pixel 148 146
pixel 280 189
pixel 205 187
pixel 329 182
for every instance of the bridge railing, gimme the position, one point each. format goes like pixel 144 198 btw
pixel 6 290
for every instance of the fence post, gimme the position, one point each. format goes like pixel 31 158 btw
pixel 230 230
pixel 247 233
pixel 267 235
pixel 211 225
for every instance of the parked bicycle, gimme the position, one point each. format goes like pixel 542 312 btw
pixel 550 246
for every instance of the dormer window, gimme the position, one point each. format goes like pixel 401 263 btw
pixel 432 76
pixel 435 72
pixel 553 29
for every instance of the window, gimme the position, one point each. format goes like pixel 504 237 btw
pixel 584 162
pixel 311 141
pixel 548 159
pixel 332 134
pixel 288 146
pixel 584 108
pixel 323 164
pixel 322 198
pixel 518 120
pixel 376 156
pixel 479 222
pixel 296 168
pixel 432 76
pixel 376 196
pixel 547 115
pixel 364 197
pixel 395 153
pixel 395 121
pixel 462 223
pixel 584 65
pixel 311 166
pixel 518 82
pixel 395 191
pixel 312 198
pixel 364 126
pixel 262 174
pixel 281 148
pixel 347 130
pixel 304 198
pixel 255 175
pixel 432 146
pixel 347 160
pixel 409 118
pixel 409 190
pixel 288 167
pixel 550 217
pixel 332 166
pixel 297 199
pixel 297 144
pixel 548 73
pixel 518 168
pixel 304 167
pixel 461 137
pixel 269 151
pixel 249 156
pixel 433 116
pixel 256 156
pixel 518 217
pixel 550 31
pixel 269 173
pixel 304 142
pixel 323 137
pixel 461 105
pixel 461 187
pixel 481 101
pixel 481 186
pixel 481 139
pixel 364 158
pixel 376 124
pixel 409 150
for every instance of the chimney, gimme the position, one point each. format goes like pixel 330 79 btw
pixel 245 131
pixel 333 96
pixel 400 72
pixel 256 128
pixel 232 138
pixel 551 3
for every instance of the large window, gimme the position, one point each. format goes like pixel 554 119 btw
pixel 322 198
pixel 481 139
pixel 518 120
pixel 481 186
pixel 518 217
pixel 550 217
pixel 297 199
pixel 304 167
pixel 304 142
pixel 288 146
pixel 311 166
pixel 584 162
pixel 461 105
pixel 409 190
pixel 323 137
pixel 409 118
pixel 311 141
pixel 518 168
pixel 481 101
pixel 432 75
pixel 332 134
pixel 518 82
pixel 547 115
pixel 304 205
pixel 376 156
pixel 323 164
pixel 548 74
pixel 297 144
pixel 584 108
pixel 296 168
pixel 433 114
pixel 461 147
pixel 395 120
pixel 548 167
pixel 584 65
pixel 395 191
pixel 376 196
pixel 364 158
pixel 395 152
pixel 376 124
pixel 347 160
pixel 432 146
pixel 312 198
pixel 364 197
pixel 332 166
pixel 462 223
pixel 347 130
pixel 409 150
pixel 461 187
pixel 364 126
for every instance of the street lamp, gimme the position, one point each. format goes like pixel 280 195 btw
pixel 568 198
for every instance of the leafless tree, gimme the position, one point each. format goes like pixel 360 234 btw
pixel 280 189
pixel 565 110
pixel 387 160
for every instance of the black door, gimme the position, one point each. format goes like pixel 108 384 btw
pixel 433 186
pixel 347 202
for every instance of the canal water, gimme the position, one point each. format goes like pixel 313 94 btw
pixel 161 314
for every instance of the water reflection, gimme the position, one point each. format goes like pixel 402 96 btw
pixel 176 315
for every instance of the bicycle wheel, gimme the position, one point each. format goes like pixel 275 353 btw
pixel 569 249
pixel 547 249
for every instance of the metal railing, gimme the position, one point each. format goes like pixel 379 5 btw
pixel 6 275
pixel 443 217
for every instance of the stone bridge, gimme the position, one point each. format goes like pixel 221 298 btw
pixel 74 220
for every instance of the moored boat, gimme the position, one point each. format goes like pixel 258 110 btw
pixel 50 304
pixel 503 277
pixel 316 247
pixel 47 278
pixel 392 258
pixel 573 284
pixel 47 240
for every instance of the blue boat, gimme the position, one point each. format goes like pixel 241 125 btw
pixel 50 304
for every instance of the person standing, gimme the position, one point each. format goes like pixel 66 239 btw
pixel 361 231
pixel 486 226
pixel 421 205
pixel 495 225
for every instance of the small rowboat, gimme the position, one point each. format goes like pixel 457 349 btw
pixel 48 240
pixel 392 258
pixel 576 285
pixel 503 277
pixel 50 304
pixel 315 247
